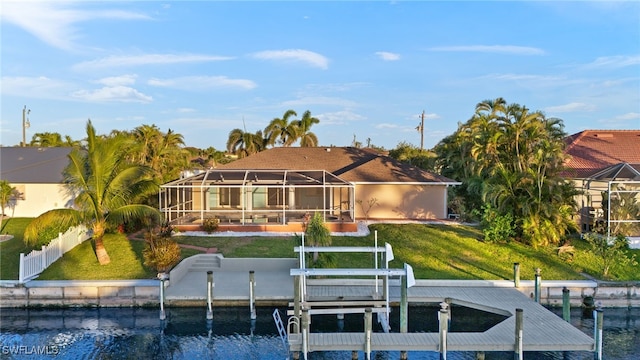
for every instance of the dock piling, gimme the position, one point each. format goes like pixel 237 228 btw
pixel 598 319
pixel 443 320
pixel 368 324
pixel 516 274
pixel 209 295
pixel 163 277
pixel 536 293
pixel 306 320
pixel 566 304
pixel 404 311
pixel 252 294
pixel 518 354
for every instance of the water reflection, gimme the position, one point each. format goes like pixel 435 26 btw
pixel 186 334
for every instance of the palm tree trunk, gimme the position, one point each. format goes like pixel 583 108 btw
pixel 101 252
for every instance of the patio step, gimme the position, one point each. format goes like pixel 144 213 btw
pixel 205 263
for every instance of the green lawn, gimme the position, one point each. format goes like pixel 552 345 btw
pixel 434 252
pixel 10 250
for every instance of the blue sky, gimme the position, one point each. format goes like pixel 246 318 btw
pixel 365 69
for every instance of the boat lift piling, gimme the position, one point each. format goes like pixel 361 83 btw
pixel 252 294
pixel 210 295
pixel 163 277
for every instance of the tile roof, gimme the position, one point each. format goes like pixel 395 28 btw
pixel 593 150
pixel 33 165
pixel 348 163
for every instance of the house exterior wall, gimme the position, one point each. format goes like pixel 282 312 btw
pixel 396 201
pixel 38 199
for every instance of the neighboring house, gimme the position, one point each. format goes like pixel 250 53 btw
pixel 600 160
pixel 286 185
pixel 36 173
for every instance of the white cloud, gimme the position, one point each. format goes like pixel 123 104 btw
pixel 113 94
pixel 146 59
pixel 571 107
pixel 388 56
pixel 305 56
pixel 202 82
pixel 185 110
pixel 35 87
pixel 318 100
pixel 387 126
pixel 499 49
pixel 54 22
pixel 629 116
pixel 118 80
pixel 614 61
pixel 339 117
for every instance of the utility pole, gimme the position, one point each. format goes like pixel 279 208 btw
pixel 25 125
pixel 421 129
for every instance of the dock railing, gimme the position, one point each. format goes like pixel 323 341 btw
pixel 32 264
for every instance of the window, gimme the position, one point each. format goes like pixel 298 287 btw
pixel 229 196
pixel 277 198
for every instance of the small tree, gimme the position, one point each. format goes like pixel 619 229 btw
pixel 318 234
pixel 611 253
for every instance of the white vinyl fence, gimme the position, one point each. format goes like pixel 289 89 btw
pixel 32 264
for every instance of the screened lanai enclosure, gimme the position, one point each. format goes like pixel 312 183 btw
pixel 248 197
pixel 611 198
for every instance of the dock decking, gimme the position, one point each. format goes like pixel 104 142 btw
pixel 542 330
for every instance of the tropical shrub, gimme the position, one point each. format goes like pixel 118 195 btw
pixel 161 253
pixel 496 227
pixel 210 225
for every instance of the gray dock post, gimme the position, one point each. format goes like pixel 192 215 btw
pixel 516 274
pixel 209 295
pixel 480 355
pixel 368 324
pixel 163 277
pixel 518 354
pixel 404 311
pixel 598 318
pixel 536 292
pixel 306 320
pixel 296 296
pixel 443 320
pixel 566 304
pixel 252 294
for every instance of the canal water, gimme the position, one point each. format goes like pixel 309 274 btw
pixel 136 333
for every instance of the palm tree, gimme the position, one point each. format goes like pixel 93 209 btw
pixel 7 194
pixel 242 143
pixel 106 187
pixel 281 130
pixel 306 137
pixel 46 139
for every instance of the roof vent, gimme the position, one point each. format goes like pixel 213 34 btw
pixel 327 150
pixel 609 135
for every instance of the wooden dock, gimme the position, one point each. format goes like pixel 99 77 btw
pixel 542 330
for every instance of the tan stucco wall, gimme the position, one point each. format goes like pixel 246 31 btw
pixel 401 201
pixel 39 198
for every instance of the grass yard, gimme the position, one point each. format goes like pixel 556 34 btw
pixel 434 252
pixel 10 250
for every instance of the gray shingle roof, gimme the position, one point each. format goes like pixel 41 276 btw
pixel 350 164
pixel 33 165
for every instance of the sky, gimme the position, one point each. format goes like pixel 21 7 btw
pixel 368 70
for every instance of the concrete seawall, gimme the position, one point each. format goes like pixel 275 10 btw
pixel 138 293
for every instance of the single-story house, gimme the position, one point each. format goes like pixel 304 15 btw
pixel 36 174
pixel 282 187
pixel 602 161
